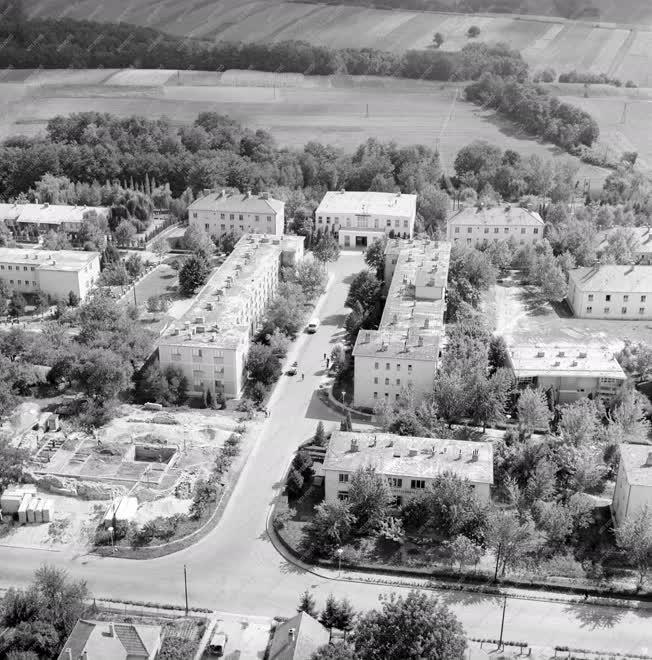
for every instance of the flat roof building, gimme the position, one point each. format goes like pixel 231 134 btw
pixel 570 371
pixel 473 225
pixel 361 217
pixel 42 218
pixel 409 463
pixel 611 292
pixel 210 342
pixel 633 488
pixel 404 351
pixel 223 212
pixel 56 273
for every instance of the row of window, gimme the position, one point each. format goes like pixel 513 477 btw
pixel 398 381
pixel 506 230
pixel 25 268
pixel 388 366
pixel 240 217
pixel 469 241
pixel 607 310
pixel 394 482
pixel 20 282
pixel 607 297
pixel 363 223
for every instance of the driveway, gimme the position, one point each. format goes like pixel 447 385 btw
pixel 236 569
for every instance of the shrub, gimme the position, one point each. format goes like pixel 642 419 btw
pixel 174 648
pixel 205 493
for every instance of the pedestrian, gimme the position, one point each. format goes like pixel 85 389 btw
pixel 303 376
pixel 325 356
pixel 327 362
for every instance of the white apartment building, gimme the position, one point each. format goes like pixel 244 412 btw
pixel 474 225
pixel 611 292
pixel 210 342
pixel 55 273
pixel 633 488
pixel 363 217
pixel 642 237
pixel 404 351
pixel 410 464
pixel 41 218
pixel 223 212
pixel 569 371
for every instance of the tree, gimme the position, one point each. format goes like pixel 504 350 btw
pixel 42 302
pixel 193 274
pixel 16 304
pixel 198 242
pixel 337 614
pixel 449 396
pixel 102 374
pixel 307 604
pixel 465 551
pixel 510 538
pixel 160 247
pixel 414 626
pixel 12 464
pixel 369 497
pixel 345 423
pixel 533 411
pixel 634 537
pixel 374 256
pixel 303 463
pixel 437 39
pixel 312 278
pixel 473 31
pixel 279 343
pixel 497 355
pixel 580 422
pixel 319 438
pixel 263 366
pixel 636 360
pixel 364 291
pixel 336 651
pixel 329 528
pixel 487 397
pixel 338 358
pixel 134 265
pixel 326 249
pixel 294 483
pixel 286 312
pixel 124 233
pixel 627 418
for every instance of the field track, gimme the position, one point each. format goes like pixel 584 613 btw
pixel 621 44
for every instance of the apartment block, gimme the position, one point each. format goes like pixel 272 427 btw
pixel 210 342
pixel 641 238
pixel 410 464
pixel 474 225
pixel 633 489
pixel 404 351
pixel 55 273
pixel 570 372
pixel 41 218
pixel 363 217
pixel 611 292
pixel 224 212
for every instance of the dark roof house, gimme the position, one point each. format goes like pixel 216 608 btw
pixel 298 638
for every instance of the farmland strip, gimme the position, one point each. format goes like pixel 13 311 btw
pixel 622 52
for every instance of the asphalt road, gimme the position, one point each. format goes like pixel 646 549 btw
pixel 236 569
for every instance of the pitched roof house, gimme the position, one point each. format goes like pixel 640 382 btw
pixel 298 638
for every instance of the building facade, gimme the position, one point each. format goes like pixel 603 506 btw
pixel 360 218
pixel 633 489
pixel 611 292
pixel 210 342
pixel 404 351
pixel 569 372
pixel 410 464
pixel 36 219
pixel 474 225
pixel 223 212
pixel 55 273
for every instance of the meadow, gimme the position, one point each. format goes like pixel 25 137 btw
pixel 340 110
pixel 622 50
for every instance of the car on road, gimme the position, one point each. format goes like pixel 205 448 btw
pixel 217 644
pixel 313 325
pixel 292 371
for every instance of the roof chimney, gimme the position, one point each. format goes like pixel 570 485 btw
pixel 475 455
pixel 354 444
pixel 648 462
pixel 291 634
pixel 412 452
pixel 420 341
pixel 111 629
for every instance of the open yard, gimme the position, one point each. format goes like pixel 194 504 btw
pixel 338 110
pixel 519 315
pixel 620 47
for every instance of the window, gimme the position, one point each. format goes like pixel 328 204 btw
pixel 386 381
pixel 387 365
pixel 398 366
pixel 206 226
pixel 194 215
pixel 395 482
pixel 468 241
pixel 417 484
pixel 376 365
pixel 239 216
pixel 9 267
pixel 375 395
pixel 25 268
pixel 11 281
pixel 2 267
pixel 342 495
pixel 257 218
pixel 409 368
pixel 522 230
pixel 506 230
pixel 196 352
pixel 641 310
pixel 495 230
pixel 398 381
pixel 486 230
pixel 221 216
pixel 623 310
pixel 397 223
pixel 606 310
pixel 19 281
pixel 643 298
pixel 269 218
pixel 231 216
pixel 625 298
pixel 405 223
pixel 223 227
pixel 589 309
pixel 607 297
pixel 536 230
pixel 469 230
pixel 457 230
pixel 389 222
pixel 375 223
pixel 386 396
pixel 590 297
pixel 396 396
pixel 375 380
pixel 344 478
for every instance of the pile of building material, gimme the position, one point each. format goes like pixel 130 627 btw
pixel 22 501
pixel 122 509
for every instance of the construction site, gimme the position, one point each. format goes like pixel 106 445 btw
pixel 141 466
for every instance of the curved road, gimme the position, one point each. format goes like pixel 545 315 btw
pixel 236 569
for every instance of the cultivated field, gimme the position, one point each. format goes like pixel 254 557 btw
pixel 621 44
pixel 338 110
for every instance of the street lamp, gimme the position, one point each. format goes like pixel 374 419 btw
pixel 112 539
pixel 343 395
pixel 339 552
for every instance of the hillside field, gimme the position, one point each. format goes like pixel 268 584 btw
pixel 343 111
pixel 622 49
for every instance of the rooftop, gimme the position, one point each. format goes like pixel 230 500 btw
pixel 215 315
pixel 64 260
pixel 642 234
pixel 111 641
pixel 368 203
pixel 396 455
pixel 612 278
pixel 49 214
pixel 298 638
pixel 637 462
pixel 531 360
pixel 496 216
pixel 230 202
pixel 411 325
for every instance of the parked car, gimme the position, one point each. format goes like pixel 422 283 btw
pixel 313 325
pixel 292 371
pixel 217 644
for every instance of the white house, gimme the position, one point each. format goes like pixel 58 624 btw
pixel 611 292
pixel 473 225
pixel 410 464
pixel 404 351
pixel 634 481
pixel 223 212
pixel 362 217
pixel 210 342
pixel 56 273
pixel 41 218
pixel 570 371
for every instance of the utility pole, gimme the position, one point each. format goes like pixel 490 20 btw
pixel 135 301
pixel 623 119
pixel 185 585
pixel 367 112
pixel 502 623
